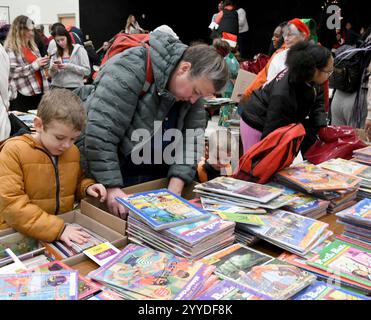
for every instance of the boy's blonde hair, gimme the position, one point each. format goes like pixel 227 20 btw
pixel 222 143
pixel 63 106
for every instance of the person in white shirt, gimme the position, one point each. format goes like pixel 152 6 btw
pixel 242 33
pixel 132 26
pixel 4 94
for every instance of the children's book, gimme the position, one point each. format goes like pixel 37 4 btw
pixel 235 261
pixel 216 206
pixel 58 285
pixel 228 290
pixel 240 189
pixel 322 291
pixel 249 219
pixel 163 209
pixel 86 288
pixel 277 279
pixel 344 166
pixel 102 253
pixel 153 274
pixel 346 260
pixel 360 213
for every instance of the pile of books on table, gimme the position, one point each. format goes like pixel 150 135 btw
pixel 166 222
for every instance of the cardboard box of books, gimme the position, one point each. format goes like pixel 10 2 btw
pixel 188 193
pixel 94 228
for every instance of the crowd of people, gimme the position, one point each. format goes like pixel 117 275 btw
pixel 88 131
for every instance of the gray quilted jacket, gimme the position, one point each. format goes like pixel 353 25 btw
pixel 115 109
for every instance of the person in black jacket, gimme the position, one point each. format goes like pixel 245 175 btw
pixel 294 96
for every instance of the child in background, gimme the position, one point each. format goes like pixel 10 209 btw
pixel 40 174
pixel 221 148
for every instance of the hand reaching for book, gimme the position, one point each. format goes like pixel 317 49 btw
pixel 74 234
pixel 97 191
pixel 114 207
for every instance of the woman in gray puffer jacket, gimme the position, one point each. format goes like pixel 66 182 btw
pixel 126 139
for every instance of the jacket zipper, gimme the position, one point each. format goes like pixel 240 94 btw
pixel 58 185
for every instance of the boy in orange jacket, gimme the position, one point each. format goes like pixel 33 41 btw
pixel 40 174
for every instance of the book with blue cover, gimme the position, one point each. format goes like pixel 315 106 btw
pixel 162 209
pixel 359 213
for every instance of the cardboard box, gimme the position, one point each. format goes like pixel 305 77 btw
pixel 117 239
pixel 148 186
pixel 244 79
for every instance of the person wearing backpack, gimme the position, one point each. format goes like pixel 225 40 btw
pixel 123 106
pixel 292 97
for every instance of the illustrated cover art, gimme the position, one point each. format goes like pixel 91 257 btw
pixel 59 285
pixel 346 260
pixel 163 209
pixel 241 189
pixel 234 262
pixel 344 166
pixel 360 213
pixel 86 288
pixel 152 274
pixel 249 219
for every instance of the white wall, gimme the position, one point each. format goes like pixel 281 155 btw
pixel 42 11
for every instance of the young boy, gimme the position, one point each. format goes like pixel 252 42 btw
pixel 217 162
pixel 40 174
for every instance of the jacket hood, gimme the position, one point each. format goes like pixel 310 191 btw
pixel 27 138
pixel 166 52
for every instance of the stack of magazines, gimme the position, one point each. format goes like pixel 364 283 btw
pixel 363 156
pixel 357 221
pixel 163 221
pixel 338 188
pixel 140 273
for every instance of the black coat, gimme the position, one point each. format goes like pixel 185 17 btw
pixel 282 102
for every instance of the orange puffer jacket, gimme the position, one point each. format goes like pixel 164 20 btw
pixel 33 189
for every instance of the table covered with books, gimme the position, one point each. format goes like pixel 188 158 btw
pixel 303 236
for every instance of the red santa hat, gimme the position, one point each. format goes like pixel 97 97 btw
pixel 301 26
pixel 230 38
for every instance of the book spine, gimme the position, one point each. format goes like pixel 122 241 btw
pixel 52 252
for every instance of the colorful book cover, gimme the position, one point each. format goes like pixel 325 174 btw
pixel 345 260
pixel 360 213
pixel 59 285
pixel 153 274
pixel 312 178
pixel 163 209
pixel 106 295
pixel 86 288
pixel 344 166
pixel 102 253
pixel 216 206
pixel 249 219
pixel 322 291
pixel 228 290
pixel 234 262
pixel 241 189
pixel 277 279
pixel 291 230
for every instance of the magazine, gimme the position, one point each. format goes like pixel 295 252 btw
pixel 152 274
pixel 344 166
pixel 59 285
pixel 346 260
pixel 235 261
pixel 249 219
pixel 217 206
pixel 163 209
pixel 228 290
pixel 240 189
pixel 360 213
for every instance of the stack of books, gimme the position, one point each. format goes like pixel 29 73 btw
pixel 338 188
pixel 363 156
pixel 163 221
pixel 357 221
pixel 292 232
pixel 354 169
pixel 140 273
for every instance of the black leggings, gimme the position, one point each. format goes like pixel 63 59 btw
pixel 24 103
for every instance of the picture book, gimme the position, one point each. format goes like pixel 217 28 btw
pixel 107 295
pixel 290 230
pixel 216 206
pixel 240 189
pixel 162 209
pixel 346 260
pixel 366 152
pixel 102 253
pixel 361 213
pixel 58 285
pixel 344 166
pixel 277 279
pixel 86 288
pixel 249 219
pixel 312 178
pixel 322 291
pixel 228 290
pixel 153 274
pixel 235 261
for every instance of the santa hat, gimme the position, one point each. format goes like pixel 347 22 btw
pixel 301 26
pixel 230 38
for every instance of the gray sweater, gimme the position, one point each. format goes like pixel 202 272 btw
pixel 116 109
pixel 76 69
